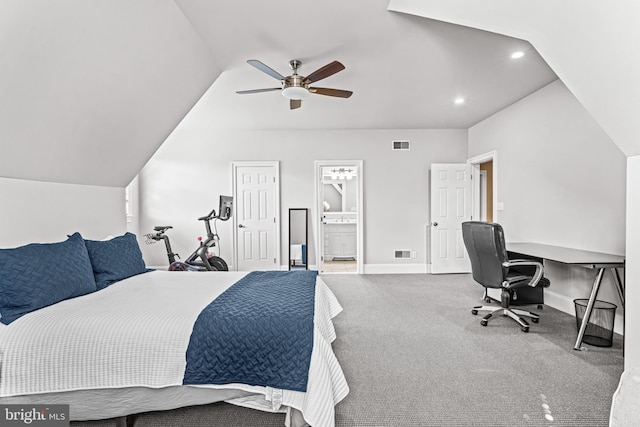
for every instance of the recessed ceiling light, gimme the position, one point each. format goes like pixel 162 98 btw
pixel 517 55
pixel 459 100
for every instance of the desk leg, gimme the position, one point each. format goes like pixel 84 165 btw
pixel 587 313
pixel 619 287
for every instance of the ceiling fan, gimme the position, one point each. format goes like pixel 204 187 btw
pixel 296 87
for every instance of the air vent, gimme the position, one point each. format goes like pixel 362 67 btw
pixel 402 254
pixel 401 145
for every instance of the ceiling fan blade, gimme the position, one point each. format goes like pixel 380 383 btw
pixel 331 92
pixel 324 72
pixel 244 92
pixel 295 103
pixel 265 69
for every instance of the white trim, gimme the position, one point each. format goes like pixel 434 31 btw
pixel 400 268
pixel 482 183
pixel 475 170
pixel 276 165
pixel 317 218
pixel 566 305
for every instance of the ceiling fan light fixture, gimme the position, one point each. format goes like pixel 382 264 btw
pixel 295 92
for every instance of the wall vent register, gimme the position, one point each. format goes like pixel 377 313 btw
pixel 401 145
pixel 402 254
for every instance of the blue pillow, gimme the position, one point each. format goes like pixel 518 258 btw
pixel 42 274
pixel 115 259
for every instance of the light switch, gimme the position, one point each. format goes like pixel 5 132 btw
pixel 500 206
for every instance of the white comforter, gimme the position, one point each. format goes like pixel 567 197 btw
pixel 135 334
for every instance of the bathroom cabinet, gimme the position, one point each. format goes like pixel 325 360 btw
pixel 340 241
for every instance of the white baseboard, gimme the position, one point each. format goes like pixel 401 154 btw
pixel 566 305
pixel 395 268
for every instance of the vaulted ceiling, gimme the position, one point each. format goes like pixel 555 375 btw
pixel 404 71
pixel 89 90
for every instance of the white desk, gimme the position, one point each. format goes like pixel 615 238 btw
pixel 587 259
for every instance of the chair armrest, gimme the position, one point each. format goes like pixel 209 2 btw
pixel 521 262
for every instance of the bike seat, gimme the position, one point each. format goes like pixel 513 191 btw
pixel 161 227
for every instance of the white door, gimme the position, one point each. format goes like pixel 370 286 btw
pixel 256 219
pixel 450 207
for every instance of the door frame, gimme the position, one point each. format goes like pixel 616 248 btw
pixel 475 163
pixel 317 216
pixel 234 168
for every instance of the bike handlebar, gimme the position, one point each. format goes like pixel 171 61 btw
pixel 212 215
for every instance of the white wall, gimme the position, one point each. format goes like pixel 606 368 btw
pixel 562 181
pixel 632 270
pixel 183 179
pixel 33 211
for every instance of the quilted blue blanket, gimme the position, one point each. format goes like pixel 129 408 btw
pixel 257 332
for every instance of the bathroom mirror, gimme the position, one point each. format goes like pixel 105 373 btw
pixel 298 234
pixel 340 195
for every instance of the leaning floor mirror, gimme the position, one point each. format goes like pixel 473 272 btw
pixel 298 233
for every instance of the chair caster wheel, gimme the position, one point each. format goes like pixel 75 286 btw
pixel 524 328
pixel 483 322
pixel 474 312
pixel 535 319
pixel 487 300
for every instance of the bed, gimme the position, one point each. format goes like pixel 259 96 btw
pixel 127 347
pixel 624 407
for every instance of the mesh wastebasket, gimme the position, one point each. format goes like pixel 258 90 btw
pixel 599 331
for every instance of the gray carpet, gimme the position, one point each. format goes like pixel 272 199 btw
pixel 414 355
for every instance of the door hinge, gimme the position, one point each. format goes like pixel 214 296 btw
pixel 274 260
pixel 274 220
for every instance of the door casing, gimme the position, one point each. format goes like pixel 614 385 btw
pixel 475 163
pixel 319 209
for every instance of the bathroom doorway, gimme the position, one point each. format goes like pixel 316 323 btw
pixel 484 190
pixel 338 216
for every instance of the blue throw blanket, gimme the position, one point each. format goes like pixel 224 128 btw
pixel 257 332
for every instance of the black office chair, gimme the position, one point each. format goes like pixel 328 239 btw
pixel 492 268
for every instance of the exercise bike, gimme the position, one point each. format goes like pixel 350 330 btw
pixel 201 259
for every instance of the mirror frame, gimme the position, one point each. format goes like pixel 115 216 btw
pixel 306 237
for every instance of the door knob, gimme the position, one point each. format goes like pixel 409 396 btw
pixel 435 224
pixel 241 226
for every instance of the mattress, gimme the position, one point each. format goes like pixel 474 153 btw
pixel 625 411
pixel 132 337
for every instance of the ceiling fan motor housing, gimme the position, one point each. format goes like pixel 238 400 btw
pixel 295 80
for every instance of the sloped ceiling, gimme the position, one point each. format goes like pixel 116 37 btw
pixel 592 46
pixel 404 71
pixel 90 89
